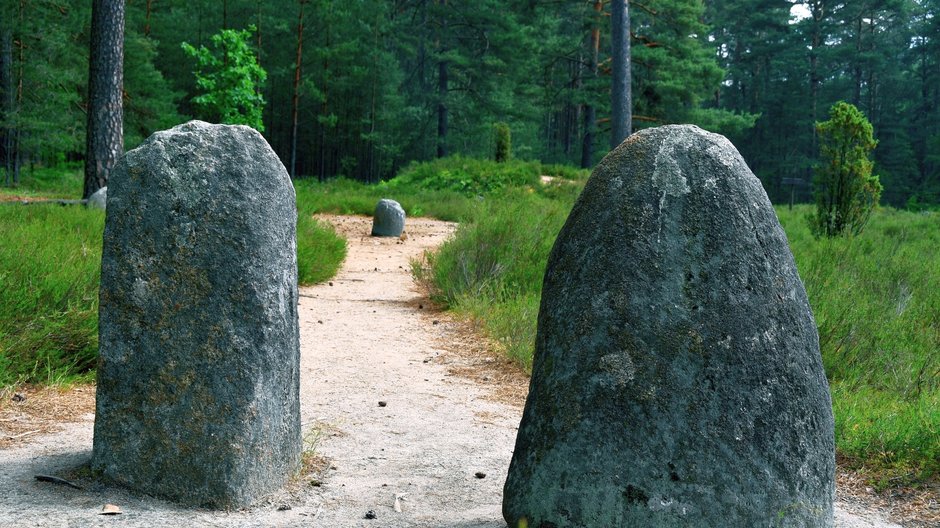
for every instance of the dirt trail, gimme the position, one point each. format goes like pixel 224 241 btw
pixel 379 398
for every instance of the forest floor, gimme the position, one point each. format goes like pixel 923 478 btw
pixel 409 417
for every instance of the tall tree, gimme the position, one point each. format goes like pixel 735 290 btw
pixel 590 111
pixel 104 142
pixel 621 96
pixel 295 103
pixel 7 101
pixel 442 85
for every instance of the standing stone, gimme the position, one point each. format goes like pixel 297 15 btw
pixel 99 200
pixel 677 378
pixel 198 382
pixel 389 219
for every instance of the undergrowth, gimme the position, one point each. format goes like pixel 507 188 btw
pixel 876 300
pixel 50 264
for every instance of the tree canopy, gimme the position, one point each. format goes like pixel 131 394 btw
pixel 382 83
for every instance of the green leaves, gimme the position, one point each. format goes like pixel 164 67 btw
pixel 229 79
pixel 846 190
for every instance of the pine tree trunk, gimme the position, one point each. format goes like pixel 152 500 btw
pixel 621 96
pixel 442 92
pixel 8 100
pixel 104 142
pixel 590 113
pixel 295 101
pixel 817 12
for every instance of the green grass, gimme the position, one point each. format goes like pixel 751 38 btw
pixel 50 263
pixel 50 260
pixel 49 182
pixel 876 300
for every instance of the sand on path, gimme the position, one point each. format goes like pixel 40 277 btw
pixel 439 443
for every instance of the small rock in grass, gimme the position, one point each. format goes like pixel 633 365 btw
pixel 383 403
pixel 371 514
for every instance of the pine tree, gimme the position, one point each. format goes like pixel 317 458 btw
pixel 846 190
pixel 105 131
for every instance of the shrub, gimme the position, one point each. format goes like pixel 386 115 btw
pixel 845 189
pixel 503 142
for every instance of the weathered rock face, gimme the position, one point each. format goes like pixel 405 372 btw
pixel 677 378
pixel 198 382
pixel 389 219
pixel 99 199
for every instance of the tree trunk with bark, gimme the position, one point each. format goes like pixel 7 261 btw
pixel 8 101
pixel 104 143
pixel 590 112
pixel 621 96
pixel 442 90
pixel 295 101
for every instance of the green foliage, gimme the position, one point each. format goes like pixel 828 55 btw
pixel 50 263
pixel 876 300
pixel 470 176
pixel 846 191
pixel 229 79
pixel 492 269
pixel 503 142
pixel 50 260
pixel 320 251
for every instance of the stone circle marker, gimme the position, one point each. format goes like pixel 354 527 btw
pixel 198 381
pixel 677 378
pixel 389 219
pixel 99 199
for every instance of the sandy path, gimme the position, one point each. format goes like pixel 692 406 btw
pixel 365 339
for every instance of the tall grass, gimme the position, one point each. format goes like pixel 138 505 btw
pixel 876 300
pixel 50 262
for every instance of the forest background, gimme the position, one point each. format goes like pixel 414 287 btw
pixel 377 75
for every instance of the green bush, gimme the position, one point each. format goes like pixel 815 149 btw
pixel 503 142
pixel 846 192
pixel 466 176
pixel 876 301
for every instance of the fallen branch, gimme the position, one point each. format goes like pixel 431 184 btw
pixel 35 202
pixel 56 480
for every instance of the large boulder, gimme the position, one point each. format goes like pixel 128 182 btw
pixel 198 382
pixel 389 219
pixel 677 379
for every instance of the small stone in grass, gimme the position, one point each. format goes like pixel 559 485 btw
pixel 331 283
pixel 283 507
pixel 371 514
pixel 383 403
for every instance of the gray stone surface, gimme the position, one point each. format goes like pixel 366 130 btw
pixel 677 378
pixel 198 383
pixel 389 218
pixel 99 199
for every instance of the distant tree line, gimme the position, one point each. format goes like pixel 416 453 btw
pixel 360 88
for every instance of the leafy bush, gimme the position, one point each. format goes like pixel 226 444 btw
pixel 467 176
pixel 229 79
pixel 846 191
pixel 503 142
pixel 876 301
